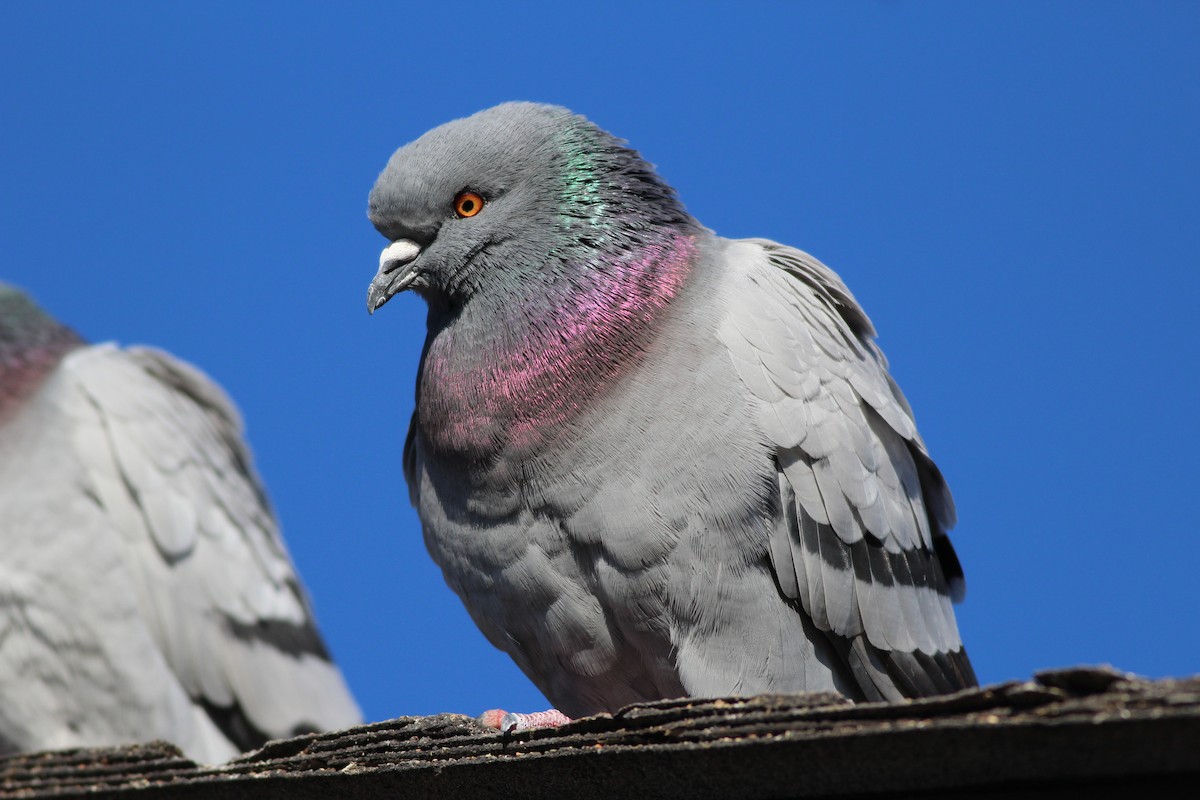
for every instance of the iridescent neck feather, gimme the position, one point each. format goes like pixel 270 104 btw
pixel 31 345
pixel 538 340
pixel 513 381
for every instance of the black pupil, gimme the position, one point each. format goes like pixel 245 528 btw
pixel 468 205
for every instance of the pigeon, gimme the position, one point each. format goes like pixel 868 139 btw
pixel 145 592
pixel 651 461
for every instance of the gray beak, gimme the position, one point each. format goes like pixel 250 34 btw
pixel 396 272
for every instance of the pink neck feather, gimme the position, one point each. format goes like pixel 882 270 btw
pixel 515 384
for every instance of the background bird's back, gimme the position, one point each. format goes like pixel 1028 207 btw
pixel 145 591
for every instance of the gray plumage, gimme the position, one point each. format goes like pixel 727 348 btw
pixel 145 592
pixel 651 461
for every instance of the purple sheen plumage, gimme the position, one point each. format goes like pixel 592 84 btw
pixel 543 364
pixel 31 345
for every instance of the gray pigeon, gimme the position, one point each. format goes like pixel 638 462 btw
pixel 651 461
pixel 145 592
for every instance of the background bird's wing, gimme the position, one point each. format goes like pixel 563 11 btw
pixel 860 543
pixel 222 599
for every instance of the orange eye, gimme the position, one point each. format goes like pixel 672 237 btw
pixel 468 204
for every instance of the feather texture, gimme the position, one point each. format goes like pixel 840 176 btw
pixel 852 458
pixel 146 592
pixel 712 485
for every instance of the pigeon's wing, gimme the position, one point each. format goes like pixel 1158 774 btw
pixel 860 544
pixel 410 457
pixel 167 463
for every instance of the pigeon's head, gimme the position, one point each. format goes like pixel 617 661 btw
pixel 511 199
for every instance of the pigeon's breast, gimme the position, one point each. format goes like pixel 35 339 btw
pixel 644 518
pixel 514 380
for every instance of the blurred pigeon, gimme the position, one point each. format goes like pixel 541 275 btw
pixel 145 592
pixel 651 461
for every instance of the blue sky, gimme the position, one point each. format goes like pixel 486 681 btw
pixel 1011 189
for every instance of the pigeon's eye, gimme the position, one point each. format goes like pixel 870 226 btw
pixel 468 204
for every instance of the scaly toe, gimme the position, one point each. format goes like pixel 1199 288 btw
pixel 508 721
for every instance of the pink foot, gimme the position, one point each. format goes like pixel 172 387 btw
pixel 507 721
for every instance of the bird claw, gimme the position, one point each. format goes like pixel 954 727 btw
pixel 510 722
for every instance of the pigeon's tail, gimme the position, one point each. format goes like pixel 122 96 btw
pixel 952 569
pixel 892 675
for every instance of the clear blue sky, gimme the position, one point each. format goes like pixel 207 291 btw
pixel 1011 189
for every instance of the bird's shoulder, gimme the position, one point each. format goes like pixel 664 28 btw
pixel 804 345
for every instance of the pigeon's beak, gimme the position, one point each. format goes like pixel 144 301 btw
pixel 396 272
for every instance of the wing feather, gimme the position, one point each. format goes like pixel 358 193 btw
pixel 868 503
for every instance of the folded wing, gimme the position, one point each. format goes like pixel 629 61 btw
pixel 860 541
